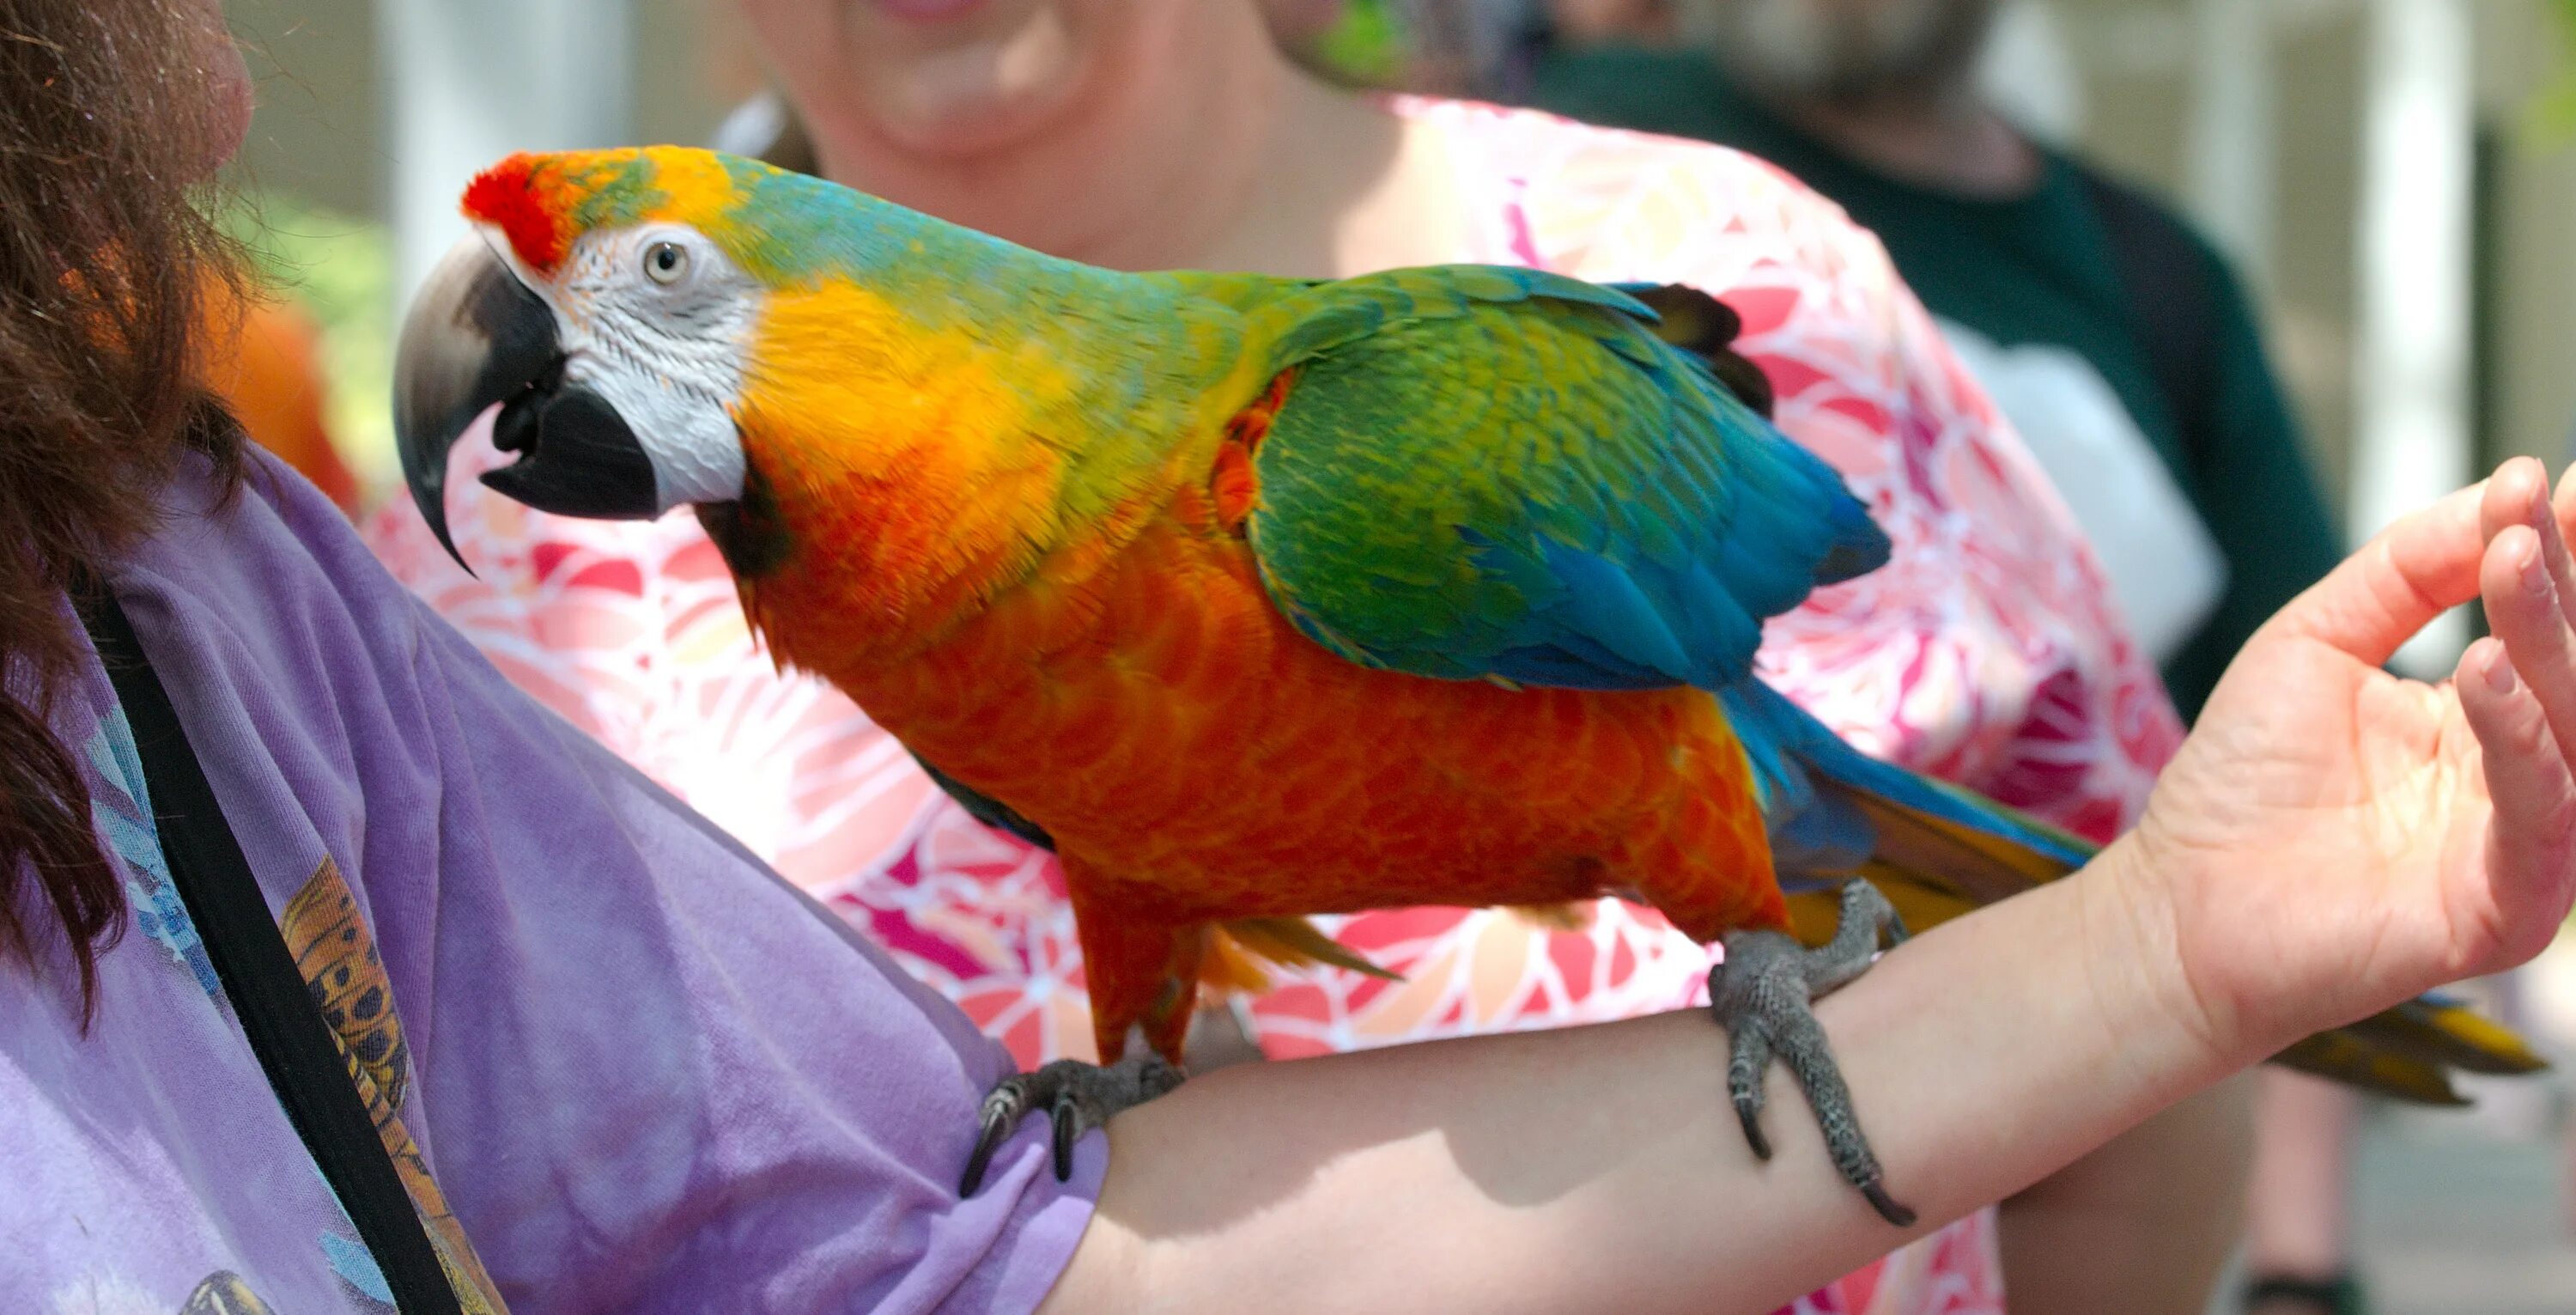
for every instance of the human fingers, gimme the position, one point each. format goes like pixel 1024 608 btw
pixel 2523 590
pixel 2409 573
pixel 2532 795
pixel 2518 494
pixel 2564 504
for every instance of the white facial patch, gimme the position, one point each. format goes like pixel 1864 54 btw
pixel 656 320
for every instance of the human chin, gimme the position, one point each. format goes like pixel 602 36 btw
pixel 929 11
pixel 1828 47
pixel 995 71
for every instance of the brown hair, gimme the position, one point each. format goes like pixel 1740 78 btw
pixel 107 127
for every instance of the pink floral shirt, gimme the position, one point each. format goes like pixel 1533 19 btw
pixel 1987 652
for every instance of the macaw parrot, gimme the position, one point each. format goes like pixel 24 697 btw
pixel 1252 598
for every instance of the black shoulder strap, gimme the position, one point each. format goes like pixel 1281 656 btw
pixel 276 1007
pixel 2171 303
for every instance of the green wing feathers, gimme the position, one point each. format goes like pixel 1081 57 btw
pixel 1304 320
pixel 1500 473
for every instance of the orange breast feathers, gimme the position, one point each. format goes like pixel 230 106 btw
pixel 1124 682
pixel 1197 759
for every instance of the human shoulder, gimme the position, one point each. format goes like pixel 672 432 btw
pixel 1612 203
pixel 274 558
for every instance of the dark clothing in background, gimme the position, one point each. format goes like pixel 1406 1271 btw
pixel 2062 265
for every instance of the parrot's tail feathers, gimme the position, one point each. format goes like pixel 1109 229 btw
pixel 1937 851
pixel 1837 812
pixel 1240 952
pixel 2339 1056
pixel 1225 969
pixel 1576 916
pixel 1983 857
pixel 1932 869
pixel 2436 1031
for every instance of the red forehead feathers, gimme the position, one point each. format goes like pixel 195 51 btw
pixel 509 196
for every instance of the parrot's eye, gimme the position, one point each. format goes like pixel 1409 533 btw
pixel 665 262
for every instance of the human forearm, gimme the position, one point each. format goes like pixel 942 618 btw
pixel 2141 1226
pixel 1540 1171
pixel 2295 1225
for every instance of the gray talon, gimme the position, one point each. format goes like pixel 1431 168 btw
pixel 1750 1115
pixel 1763 994
pixel 1746 1058
pixel 1077 1097
pixel 1887 1206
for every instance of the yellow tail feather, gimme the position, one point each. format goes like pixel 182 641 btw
pixel 2342 1057
pixel 1556 917
pixel 1239 952
pixel 2450 1035
pixel 1933 869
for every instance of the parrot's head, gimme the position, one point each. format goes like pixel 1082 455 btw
pixel 879 417
pixel 608 302
pixel 592 305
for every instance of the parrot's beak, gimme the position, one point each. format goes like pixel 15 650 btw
pixel 477 336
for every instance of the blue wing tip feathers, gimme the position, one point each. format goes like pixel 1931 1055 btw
pixel 1859 545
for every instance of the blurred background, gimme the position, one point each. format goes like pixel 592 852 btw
pixel 2257 116
pixel 2395 181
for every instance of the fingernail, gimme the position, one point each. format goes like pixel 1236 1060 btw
pixel 2534 577
pixel 2499 671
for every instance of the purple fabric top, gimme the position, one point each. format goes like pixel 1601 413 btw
pixel 624 1066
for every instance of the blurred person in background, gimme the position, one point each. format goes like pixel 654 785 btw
pixel 1173 133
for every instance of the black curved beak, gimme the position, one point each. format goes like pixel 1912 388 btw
pixel 477 336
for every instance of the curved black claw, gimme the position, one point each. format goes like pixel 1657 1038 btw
pixel 1888 1209
pixel 999 1114
pixel 1077 1097
pixel 1763 994
pixel 1068 1129
pixel 1748 1054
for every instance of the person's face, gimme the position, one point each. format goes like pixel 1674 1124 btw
pixel 1582 21
pixel 951 76
pixel 1841 48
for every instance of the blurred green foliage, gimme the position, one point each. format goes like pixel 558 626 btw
pixel 2553 111
pixel 340 270
pixel 1365 45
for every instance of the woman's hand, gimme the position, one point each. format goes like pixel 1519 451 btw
pixel 2335 839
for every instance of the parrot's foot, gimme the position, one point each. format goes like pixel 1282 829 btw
pixel 1077 1096
pixel 1762 995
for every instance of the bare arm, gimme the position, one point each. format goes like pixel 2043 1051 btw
pixel 2332 841
pixel 1539 1171
pixel 2141 1226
